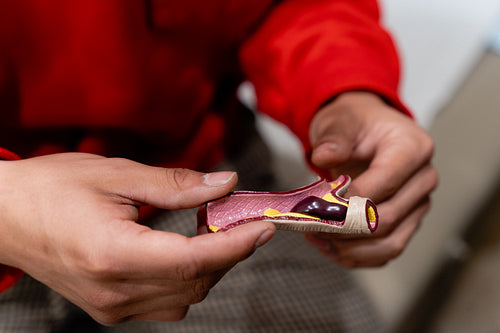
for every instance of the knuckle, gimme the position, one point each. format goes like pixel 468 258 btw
pixel 102 300
pixel 188 272
pixel 427 147
pixel 390 219
pixel 118 164
pixel 118 161
pixel 100 268
pixel 395 249
pixel 390 185
pixel 200 289
pixel 433 179
pixel 105 307
pixel 176 177
pixel 199 296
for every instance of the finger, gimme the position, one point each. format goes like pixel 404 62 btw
pixel 395 161
pixel 167 295
pixel 170 188
pixel 332 138
pixel 393 211
pixel 145 253
pixel 201 218
pixel 214 252
pixel 378 251
pixel 319 241
pixel 400 205
pixel 335 150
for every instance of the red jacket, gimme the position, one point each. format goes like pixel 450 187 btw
pixel 85 75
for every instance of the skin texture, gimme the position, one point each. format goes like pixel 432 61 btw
pixel 69 220
pixel 389 158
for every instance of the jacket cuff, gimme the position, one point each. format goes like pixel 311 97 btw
pixel 8 155
pixel 8 275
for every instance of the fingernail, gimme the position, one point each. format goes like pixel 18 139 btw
pixel 218 178
pixel 264 238
pixel 328 146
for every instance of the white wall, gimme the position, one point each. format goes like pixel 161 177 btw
pixel 439 42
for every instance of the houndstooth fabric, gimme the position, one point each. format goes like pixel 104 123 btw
pixel 286 286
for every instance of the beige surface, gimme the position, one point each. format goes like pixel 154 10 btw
pixel 474 303
pixel 474 306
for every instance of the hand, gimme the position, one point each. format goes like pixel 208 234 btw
pixel 388 156
pixel 69 220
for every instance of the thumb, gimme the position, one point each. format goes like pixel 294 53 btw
pixel 172 254
pixel 171 188
pixel 333 136
pixel 224 249
pixel 331 150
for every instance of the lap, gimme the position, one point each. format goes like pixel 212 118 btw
pixel 286 286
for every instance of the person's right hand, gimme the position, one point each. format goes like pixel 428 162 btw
pixel 69 221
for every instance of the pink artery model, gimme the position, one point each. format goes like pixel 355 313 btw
pixel 318 207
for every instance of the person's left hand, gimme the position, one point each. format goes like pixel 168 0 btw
pixel 388 156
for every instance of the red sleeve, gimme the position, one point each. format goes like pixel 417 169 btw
pixel 8 275
pixel 308 51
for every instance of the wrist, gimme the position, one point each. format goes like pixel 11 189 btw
pixel 8 275
pixel 6 227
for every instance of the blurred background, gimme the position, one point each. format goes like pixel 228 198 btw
pixel 447 280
